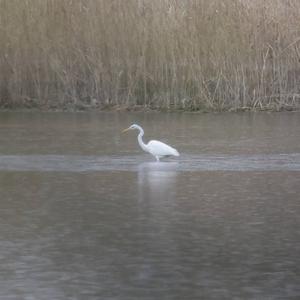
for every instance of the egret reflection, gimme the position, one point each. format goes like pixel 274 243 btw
pixel 157 180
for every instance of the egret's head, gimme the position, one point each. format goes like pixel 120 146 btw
pixel 133 126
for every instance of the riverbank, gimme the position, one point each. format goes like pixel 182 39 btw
pixel 159 55
pixel 142 108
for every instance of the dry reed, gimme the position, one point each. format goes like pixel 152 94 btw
pixel 164 54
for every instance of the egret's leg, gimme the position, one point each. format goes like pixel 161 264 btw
pixel 157 158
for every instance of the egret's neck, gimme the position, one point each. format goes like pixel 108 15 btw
pixel 140 139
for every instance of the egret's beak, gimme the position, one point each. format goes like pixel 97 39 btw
pixel 126 129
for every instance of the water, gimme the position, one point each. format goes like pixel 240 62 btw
pixel 86 215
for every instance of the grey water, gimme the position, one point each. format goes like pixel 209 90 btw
pixel 85 214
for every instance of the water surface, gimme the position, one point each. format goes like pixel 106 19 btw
pixel 86 215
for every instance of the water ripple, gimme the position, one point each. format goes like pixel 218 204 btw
pixel 77 163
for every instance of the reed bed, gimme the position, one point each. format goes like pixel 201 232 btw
pixel 160 54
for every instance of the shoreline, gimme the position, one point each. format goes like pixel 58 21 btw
pixel 145 109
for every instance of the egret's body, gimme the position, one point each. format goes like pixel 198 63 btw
pixel 156 148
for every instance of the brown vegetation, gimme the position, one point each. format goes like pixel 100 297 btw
pixel 165 54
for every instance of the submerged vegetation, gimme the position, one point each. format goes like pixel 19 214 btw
pixel 159 54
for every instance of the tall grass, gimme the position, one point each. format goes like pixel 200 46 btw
pixel 167 54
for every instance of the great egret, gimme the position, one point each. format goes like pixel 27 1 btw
pixel 156 148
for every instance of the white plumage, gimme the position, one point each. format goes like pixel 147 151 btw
pixel 156 148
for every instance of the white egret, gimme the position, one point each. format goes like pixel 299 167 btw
pixel 156 148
